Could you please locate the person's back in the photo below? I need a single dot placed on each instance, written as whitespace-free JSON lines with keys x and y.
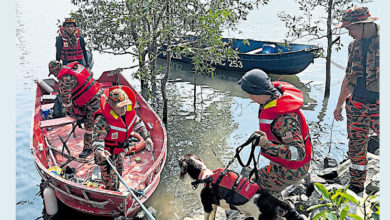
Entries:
{"x":78,"y":91}
{"x":70,"y":45}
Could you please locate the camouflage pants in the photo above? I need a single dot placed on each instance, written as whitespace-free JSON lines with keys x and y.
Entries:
{"x":360,"y":119}
{"x":274,"y":177}
{"x":109,"y":178}
{"x":87,"y":111}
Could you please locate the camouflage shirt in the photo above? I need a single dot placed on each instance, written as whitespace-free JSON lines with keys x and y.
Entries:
{"x":355,"y":68}
{"x":67,"y":84}
{"x":286,"y":128}
{"x":101,"y":128}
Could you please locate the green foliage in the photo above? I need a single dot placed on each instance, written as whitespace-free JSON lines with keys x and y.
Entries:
{"x":140,"y":27}
{"x":337,"y":204}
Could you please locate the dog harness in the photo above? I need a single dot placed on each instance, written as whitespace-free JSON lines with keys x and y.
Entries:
{"x":230,"y":186}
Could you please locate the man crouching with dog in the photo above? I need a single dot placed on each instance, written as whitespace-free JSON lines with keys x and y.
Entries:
{"x":285,"y":138}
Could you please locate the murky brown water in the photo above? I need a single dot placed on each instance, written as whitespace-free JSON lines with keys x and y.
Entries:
{"x":224,"y":117}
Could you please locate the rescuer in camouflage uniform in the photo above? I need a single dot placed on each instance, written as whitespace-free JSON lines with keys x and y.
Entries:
{"x":67,"y":83}
{"x":118,"y":102}
{"x":360,"y":90}
{"x":285,"y":136}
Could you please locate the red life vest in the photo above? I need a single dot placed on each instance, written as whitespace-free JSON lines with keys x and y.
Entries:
{"x":71,"y":53}
{"x":290,"y":101}
{"x":119,"y":130}
{"x":234,"y":188}
{"x":86,"y":87}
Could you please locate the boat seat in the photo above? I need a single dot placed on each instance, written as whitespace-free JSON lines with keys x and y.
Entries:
{"x":47,"y":106}
{"x":48,"y":99}
{"x":258,"y":50}
{"x":57,"y":122}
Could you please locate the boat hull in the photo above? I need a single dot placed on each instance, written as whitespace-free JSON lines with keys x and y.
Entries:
{"x":284,"y":60}
{"x":143,"y":176}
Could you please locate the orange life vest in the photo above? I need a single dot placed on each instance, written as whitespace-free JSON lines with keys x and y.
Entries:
{"x":290,"y":101}
{"x":119,"y":130}
{"x":71,"y":53}
{"x":87,"y":86}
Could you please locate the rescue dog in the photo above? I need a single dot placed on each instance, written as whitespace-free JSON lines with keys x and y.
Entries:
{"x":262,"y":204}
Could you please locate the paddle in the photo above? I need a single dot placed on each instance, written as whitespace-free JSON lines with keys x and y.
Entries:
{"x":132,"y":191}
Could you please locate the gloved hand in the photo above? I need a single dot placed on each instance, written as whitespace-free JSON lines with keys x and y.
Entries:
{"x":263,"y":139}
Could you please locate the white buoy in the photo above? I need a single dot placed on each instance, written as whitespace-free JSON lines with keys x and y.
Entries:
{"x":45,"y":86}
{"x":49,"y":196}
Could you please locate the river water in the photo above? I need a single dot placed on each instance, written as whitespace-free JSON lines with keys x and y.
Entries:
{"x":223,"y":118}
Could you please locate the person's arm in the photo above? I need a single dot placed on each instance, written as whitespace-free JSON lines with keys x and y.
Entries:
{"x":287,"y":128}
{"x":100,"y":130}
{"x":344,"y":94}
{"x":140,"y":128}
{"x":59,"y":44}
{"x":82,"y":44}
{"x":66,"y":85}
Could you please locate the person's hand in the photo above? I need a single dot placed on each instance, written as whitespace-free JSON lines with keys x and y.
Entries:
{"x":102,"y":153}
{"x":263,"y":139}
{"x":149,"y":143}
{"x":337,"y":113}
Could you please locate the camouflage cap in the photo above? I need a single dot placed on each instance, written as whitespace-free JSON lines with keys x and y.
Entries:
{"x":69,"y":21}
{"x":118,"y":98}
{"x":54,"y":67}
{"x":355,"y":15}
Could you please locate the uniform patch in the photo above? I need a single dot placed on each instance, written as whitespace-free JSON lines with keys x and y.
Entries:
{"x":114,"y":135}
{"x":287,"y":135}
{"x":66,"y":44}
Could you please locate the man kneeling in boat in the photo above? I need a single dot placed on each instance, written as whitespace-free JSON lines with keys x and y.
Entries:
{"x":114,"y":124}
{"x":78,"y":89}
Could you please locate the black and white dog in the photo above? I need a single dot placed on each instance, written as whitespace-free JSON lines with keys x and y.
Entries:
{"x":261,"y":204}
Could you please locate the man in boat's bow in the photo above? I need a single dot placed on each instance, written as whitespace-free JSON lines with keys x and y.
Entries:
{"x":114,"y":124}
{"x":285,"y":138}
{"x":78,"y":91}
{"x":70,"y":44}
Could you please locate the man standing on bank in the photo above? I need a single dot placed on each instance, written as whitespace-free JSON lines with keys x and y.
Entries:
{"x":285,"y":139}
{"x":360,"y":90}
{"x":70,"y":45}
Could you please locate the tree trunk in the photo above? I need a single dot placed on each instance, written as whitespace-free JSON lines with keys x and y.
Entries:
{"x":168,"y":70}
{"x":163,"y":88}
{"x":329,"y":48}
{"x":144,"y":81}
{"x":195,"y":91}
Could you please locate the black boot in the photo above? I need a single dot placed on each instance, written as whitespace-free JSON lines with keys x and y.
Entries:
{"x":85,"y":153}
{"x":356,"y":189}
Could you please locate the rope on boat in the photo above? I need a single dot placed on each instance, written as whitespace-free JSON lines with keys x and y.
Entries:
{"x":132,"y":191}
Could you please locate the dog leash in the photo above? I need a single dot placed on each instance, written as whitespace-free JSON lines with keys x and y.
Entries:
{"x":254,"y":139}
